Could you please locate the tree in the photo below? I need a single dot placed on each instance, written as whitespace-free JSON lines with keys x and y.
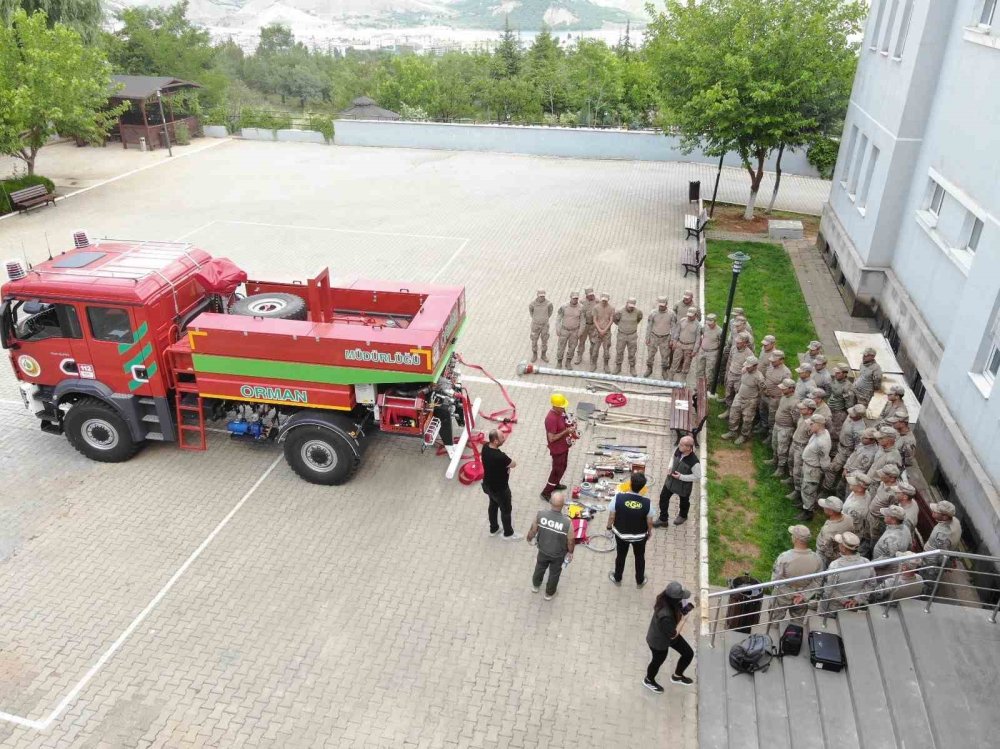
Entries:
{"x":83,"y":16}
{"x":595,"y":76}
{"x":546,"y":69}
{"x":275,"y":39}
{"x":50,"y":82}
{"x":751,"y":76}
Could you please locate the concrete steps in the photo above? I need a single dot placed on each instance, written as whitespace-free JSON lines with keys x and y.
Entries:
{"x":914,"y":680}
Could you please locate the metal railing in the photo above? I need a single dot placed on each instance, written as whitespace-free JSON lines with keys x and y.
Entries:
{"x":820,"y":598}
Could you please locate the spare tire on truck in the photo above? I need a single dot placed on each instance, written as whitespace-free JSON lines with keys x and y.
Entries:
{"x":275,"y":306}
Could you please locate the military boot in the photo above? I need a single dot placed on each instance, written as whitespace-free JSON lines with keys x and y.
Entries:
{"x":579,"y":357}
{"x":534,"y":355}
{"x":649,"y":372}
{"x":778,"y":472}
{"x":728,"y":435}
{"x":618,"y":368}
{"x":631,"y":369}
{"x":545,"y":357}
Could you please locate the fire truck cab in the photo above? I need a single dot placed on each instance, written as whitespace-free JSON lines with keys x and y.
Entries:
{"x":117,"y":343}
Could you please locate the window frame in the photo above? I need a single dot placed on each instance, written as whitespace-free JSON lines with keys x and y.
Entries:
{"x":890,"y":23}
{"x":67,"y":318}
{"x":866,"y":182}
{"x":991,"y":5}
{"x":904,"y":29}
{"x":92,"y":329}
{"x":936,"y":189}
{"x":852,"y":143}
{"x":877,"y":21}
{"x":975,"y":234}
{"x":852,"y":186}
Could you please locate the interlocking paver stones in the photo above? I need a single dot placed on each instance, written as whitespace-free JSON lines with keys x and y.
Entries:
{"x":378,"y":613}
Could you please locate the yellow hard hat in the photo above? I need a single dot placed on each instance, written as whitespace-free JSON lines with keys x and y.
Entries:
{"x":559,"y":400}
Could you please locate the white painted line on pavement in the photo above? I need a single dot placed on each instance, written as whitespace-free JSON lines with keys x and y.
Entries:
{"x":191,"y":233}
{"x":349,"y":231}
{"x":41,"y":725}
{"x":444,"y":267}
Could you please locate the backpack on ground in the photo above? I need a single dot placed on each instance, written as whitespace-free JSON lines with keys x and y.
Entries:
{"x":790,"y":642}
{"x":752,"y":655}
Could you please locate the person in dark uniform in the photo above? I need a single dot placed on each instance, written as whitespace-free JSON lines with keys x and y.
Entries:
{"x":685,"y":470}
{"x":630,"y":518}
{"x":496,"y":483}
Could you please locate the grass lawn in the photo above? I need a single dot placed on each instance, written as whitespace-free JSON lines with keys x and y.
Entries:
{"x":748,"y":515}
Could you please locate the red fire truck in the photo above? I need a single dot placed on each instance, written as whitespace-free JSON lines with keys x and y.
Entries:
{"x":116,"y":343}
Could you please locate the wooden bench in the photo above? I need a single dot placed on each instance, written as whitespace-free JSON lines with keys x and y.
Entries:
{"x":26,"y":199}
{"x":689,"y":410}
{"x":693,"y":258}
{"x":695,"y":225}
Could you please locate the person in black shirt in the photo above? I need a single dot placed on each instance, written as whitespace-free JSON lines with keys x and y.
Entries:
{"x":496,"y":484}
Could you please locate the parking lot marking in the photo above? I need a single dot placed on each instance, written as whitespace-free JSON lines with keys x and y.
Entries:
{"x":191,"y":233}
{"x":444,"y":267}
{"x":41,"y":725}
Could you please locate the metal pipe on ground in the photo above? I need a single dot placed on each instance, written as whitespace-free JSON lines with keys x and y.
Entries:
{"x":525,"y":369}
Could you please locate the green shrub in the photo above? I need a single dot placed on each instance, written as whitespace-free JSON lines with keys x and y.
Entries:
{"x":264,"y":119}
{"x":822,"y":154}
{"x":182,"y":134}
{"x":218,"y":116}
{"x":14,"y":184}
{"x":321,"y":123}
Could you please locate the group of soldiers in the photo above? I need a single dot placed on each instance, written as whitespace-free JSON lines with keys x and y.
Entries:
{"x":675,"y":333}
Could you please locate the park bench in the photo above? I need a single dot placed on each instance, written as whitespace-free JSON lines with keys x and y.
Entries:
{"x":689,"y":410}
{"x":695,"y":225}
{"x":29,"y":197}
{"x":693,"y":257}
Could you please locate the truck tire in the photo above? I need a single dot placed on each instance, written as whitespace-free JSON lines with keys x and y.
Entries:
{"x":273,"y":306}
{"x":99,"y":432}
{"x":320,"y":456}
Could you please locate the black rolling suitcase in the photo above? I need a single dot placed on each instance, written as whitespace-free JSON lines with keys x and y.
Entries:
{"x":743,"y":611}
{"x":826,"y":651}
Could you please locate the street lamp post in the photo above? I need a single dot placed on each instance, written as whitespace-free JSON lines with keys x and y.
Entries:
{"x":739,"y":260}
{"x":163,"y":119}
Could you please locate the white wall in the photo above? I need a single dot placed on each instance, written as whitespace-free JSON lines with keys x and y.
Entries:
{"x":578,"y":143}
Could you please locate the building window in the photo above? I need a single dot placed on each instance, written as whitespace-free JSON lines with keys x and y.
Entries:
{"x":904,"y":27}
{"x":937,"y":199}
{"x":848,"y":156}
{"x":991,"y":362}
{"x":987,"y":13}
{"x":852,"y":185}
{"x":977,"y":230}
{"x":866,"y":183}
{"x":887,"y":36}
{"x":876,"y":21}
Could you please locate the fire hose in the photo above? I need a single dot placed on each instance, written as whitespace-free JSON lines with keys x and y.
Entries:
{"x":471,"y":469}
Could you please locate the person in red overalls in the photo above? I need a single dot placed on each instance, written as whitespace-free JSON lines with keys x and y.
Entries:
{"x":560,"y":433}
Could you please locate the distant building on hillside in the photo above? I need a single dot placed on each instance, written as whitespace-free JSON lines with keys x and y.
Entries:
{"x":912,"y":228}
{"x":364,"y":108}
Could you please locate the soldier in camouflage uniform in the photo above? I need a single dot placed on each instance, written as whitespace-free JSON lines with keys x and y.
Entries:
{"x":686,"y":302}
{"x":841,"y":396}
{"x":627,"y":319}
{"x":896,"y":536}
{"x":821,"y":375}
{"x":884,"y":495}
{"x":737,"y":356}
{"x":744,"y":405}
{"x":804,"y":386}
{"x":887,"y":452}
{"x":869,"y":379}
{"x":942,"y":536}
{"x":864,"y":453}
{"x":785,"y":418}
{"x":800,"y":438}
{"x":857,"y":502}
{"x":836,"y":522}
{"x":815,"y":460}
{"x":848,"y":438}
{"x":737,"y":324}
{"x":707,"y":349}
{"x":685,"y":336}
{"x":540,"y":310}
{"x":588,"y":303}
{"x":569,"y":323}
{"x":792,"y":598}
{"x":659,"y":326}
{"x":819,"y":395}
{"x":894,"y":405}
{"x":767,"y":345}
{"x":809,"y":357}
{"x":905,"y":442}
{"x":774,"y":374}
{"x":600,"y":338}
{"x":845,"y":585}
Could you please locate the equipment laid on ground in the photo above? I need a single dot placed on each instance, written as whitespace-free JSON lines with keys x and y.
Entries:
{"x":790,"y":642}
{"x":117,"y":343}
{"x":826,"y":651}
{"x":752,"y":655}
{"x":525,"y":369}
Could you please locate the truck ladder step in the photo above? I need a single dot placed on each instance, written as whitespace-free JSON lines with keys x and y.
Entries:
{"x":191,"y":433}
{"x":431,"y":432}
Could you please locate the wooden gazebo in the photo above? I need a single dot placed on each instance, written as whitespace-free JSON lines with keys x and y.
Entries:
{"x":142,"y":119}
{"x":364,"y":108}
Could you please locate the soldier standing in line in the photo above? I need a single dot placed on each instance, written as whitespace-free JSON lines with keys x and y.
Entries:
{"x":887,"y":452}
{"x":805,"y":384}
{"x":841,"y":396}
{"x":600,"y":337}
{"x":836,"y":522}
{"x":869,"y":379}
{"x":809,"y":357}
{"x":792,"y":599}
{"x":860,"y":461}
{"x":785,"y":416}
{"x":659,"y":325}
{"x":569,"y":322}
{"x":906,"y":443}
{"x":819,"y":395}
{"x":815,"y":460}
{"x":856,"y":504}
{"x":943,"y":536}
{"x":885,"y":495}
{"x":588,"y":303}
{"x":848,"y":438}
{"x":896,"y":537}
{"x":846,"y":586}
{"x":739,"y":312}
{"x":688,"y":329}
{"x":738,"y":324}
{"x":627,"y":319}
{"x":540,"y":310}
{"x":767,"y":345}
{"x":894,"y":405}
{"x":737,"y":356}
{"x":744,"y":405}
{"x":681,"y":308}
{"x":800,"y":438}
{"x":821,"y":375}
{"x":774,"y":374}
{"x":707,"y":349}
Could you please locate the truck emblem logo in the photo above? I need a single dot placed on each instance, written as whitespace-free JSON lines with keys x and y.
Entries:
{"x":264,"y":393}
{"x":382,"y":357}
{"x":29,"y":365}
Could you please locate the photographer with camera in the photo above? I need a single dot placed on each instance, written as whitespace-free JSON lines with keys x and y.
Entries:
{"x":670,"y":613}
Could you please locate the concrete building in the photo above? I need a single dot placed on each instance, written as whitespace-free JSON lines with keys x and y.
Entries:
{"x":912,"y":229}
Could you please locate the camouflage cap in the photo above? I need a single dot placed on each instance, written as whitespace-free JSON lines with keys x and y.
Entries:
{"x":751,"y":361}
{"x":904,"y":488}
{"x":630,"y":300}
{"x":845,"y":368}
{"x":889,"y":469}
{"x":574,"y":295}
{"x":868,"y":352}
{"x":887,"y":432}
{"x":815,"y":345}
{"x":711,"y":317}
{"x":777,"y":354}
{"x":944,"y":508}
{"x":688,"y":294}
{"x":819,"y":359}
{"x":848,"y":539}
{"x":817,"y":393}
{"x":692,"y":312}
{"x":807,"y":403}
{"x":818,"y":419}
{"x":897,"y":390}
{"x":787,"y":383}
{"x":831,"y":503}
{"x":870,"y":433}
{"x":540,"y":292}
{"x":800,"y":532}
{"x":769,"y":339}
{"x":588,"y":290}
{"x":803,"y":368}
{"x":896,"y":419}
{"x":745,"y":337}
{"x":858,"y":478}
{"x":856,"y":410}
{"x":738,"y":311}
{"x":893,"y":511}
{"x":605,"y":297}
{"x":661,"y":300}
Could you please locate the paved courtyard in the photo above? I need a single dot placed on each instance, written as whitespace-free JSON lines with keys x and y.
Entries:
{"x":213,"y":599}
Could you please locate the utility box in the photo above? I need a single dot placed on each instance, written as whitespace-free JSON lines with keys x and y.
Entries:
{"x":694,"y":191}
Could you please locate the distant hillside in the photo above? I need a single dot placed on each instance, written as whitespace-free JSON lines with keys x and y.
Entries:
{"x":530,"y":14}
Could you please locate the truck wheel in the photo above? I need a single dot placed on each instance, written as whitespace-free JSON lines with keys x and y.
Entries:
{"x":320,"y":456}
{"x":97,"y":431}
{"x":274,"y":306}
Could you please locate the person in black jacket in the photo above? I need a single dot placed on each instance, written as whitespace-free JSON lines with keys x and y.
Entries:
{"x":669,"y":615}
